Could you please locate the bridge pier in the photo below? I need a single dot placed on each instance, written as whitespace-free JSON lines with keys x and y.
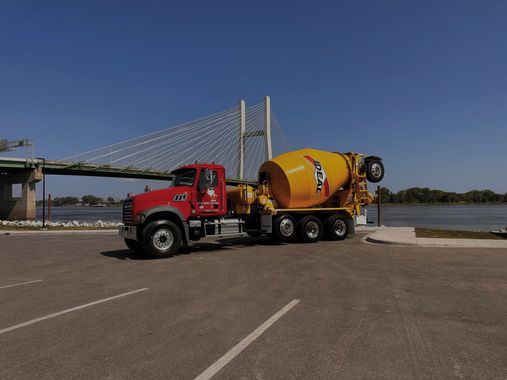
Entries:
{"x":23,"y":207}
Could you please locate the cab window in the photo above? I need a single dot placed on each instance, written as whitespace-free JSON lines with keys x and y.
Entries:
{"x":183,"y":177}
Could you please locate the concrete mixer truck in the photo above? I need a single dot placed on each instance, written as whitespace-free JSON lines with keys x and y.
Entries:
{"x":303,"y":195}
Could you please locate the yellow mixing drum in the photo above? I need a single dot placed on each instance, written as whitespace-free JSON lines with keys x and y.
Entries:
{"x":306,"y":177}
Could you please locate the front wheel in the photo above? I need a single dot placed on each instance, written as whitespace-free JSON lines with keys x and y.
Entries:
{"x":162,"y":238}
{"x":310,"y":229}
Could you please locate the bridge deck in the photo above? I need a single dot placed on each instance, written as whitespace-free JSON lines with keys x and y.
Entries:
{"x":12,"y":165}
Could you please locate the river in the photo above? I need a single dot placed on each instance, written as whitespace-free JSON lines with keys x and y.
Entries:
{"x":457,"y":217}
{"x":83,"y":214}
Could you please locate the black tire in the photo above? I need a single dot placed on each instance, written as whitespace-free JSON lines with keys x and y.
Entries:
{"x":310,"y":229}
{"x":337,"y":227}
{"x":162,"y":238}
{"x":134,"y":246}
{"x":374,"y":170}
{"x":284,"y":228}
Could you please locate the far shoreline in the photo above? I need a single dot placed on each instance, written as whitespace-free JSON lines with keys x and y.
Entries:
{"x":372,"y":204}
{"x":440,"y":204}
{"x":79,"y":206}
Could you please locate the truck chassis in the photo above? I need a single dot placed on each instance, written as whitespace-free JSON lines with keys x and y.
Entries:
{"x":163,"y":238}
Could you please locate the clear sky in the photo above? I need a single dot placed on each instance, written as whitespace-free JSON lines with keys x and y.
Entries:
{"x":422,"y":84}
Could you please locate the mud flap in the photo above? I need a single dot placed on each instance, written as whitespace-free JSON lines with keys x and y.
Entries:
{"x":351,"y":225}
{"x":266,"y":224}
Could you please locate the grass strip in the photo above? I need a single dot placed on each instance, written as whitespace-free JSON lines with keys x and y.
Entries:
{"x":452,"y":234}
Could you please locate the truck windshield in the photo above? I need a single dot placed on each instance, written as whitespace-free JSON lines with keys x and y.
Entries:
{"x":183,"y":177}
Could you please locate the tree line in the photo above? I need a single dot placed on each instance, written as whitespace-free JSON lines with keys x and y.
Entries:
{"x":85,"y":200}
{"x":427,"y":195}
{"x":410,"y":196}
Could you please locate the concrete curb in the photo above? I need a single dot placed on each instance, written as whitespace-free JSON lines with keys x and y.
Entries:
{"x":369,"y":239}
{"x":405,"y":236}
{"x":60,"y":232}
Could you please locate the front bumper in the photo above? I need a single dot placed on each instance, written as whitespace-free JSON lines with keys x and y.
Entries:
{"x":128,"y":232}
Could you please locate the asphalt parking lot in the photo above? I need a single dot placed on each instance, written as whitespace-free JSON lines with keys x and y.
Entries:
{"x":82,"y":306}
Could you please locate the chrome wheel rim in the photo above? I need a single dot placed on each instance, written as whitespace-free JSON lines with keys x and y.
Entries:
{"x":312,"y":229}
{"x":339,"y":227}
{"x":376,"y":170}
{"x":287,"y":227}
{"x":163,"y":239}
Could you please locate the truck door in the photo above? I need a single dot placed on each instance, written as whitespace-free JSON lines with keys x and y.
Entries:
{"x":208,"y":193}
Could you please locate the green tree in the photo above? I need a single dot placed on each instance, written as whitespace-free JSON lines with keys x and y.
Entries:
{"x":427,"y":195}
{"x":65,"y":201}
{"x":385,"y":195}
{"x":91,"y":199}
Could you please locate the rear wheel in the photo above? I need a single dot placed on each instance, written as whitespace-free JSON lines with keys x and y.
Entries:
{"x":284,"y":228}
{"x":162,"y":238}
{"x":337,"y":227}
{"x":310,"y":229}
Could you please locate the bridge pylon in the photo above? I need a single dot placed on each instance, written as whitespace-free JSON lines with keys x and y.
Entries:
{"x":245,"y":134}
{"x":24,"y":207}
{"x":239,"y":139}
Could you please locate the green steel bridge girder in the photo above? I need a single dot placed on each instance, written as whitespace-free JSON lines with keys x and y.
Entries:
{"x":13,"y":165}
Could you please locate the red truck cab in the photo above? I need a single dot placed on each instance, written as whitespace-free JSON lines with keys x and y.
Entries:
{"x":160,"y":221}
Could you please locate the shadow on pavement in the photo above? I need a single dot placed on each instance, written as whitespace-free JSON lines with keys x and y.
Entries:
{"x":197,"y":247}
{"x":124,"y":254}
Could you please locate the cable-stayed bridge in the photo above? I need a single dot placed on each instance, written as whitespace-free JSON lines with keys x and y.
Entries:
{"x":240,"y":138}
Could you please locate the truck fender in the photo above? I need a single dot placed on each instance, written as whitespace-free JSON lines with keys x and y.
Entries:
{"x":370,"y":158}
{"x":173,"y":210}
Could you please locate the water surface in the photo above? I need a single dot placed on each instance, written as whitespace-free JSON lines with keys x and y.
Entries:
{"x":458,"y":217}
{"x":83,"y":214}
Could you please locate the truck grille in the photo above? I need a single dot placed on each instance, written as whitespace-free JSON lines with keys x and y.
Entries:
{"x":127,"y":211}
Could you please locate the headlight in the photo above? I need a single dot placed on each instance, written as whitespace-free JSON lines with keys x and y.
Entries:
{"x":140,"y":218}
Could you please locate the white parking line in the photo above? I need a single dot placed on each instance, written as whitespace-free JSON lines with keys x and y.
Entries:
{"x":21,"y":283}
{"x":233,"y":352}
{"x":69,"y":310}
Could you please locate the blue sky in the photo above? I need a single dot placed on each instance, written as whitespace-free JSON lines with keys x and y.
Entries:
{"x":422,"y":84}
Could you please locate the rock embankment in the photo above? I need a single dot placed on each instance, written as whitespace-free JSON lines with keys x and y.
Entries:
{"x":74,"y":224}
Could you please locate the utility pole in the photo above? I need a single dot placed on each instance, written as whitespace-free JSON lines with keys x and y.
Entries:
{"x":49,"y":207}
{"x":242,"y":128}
{"x":44,"y":193}
{"x":267,"y":127}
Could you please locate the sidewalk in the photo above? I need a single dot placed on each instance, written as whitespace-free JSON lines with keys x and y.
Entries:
{"x":406,"y":236}
{"x":58,"y":232}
